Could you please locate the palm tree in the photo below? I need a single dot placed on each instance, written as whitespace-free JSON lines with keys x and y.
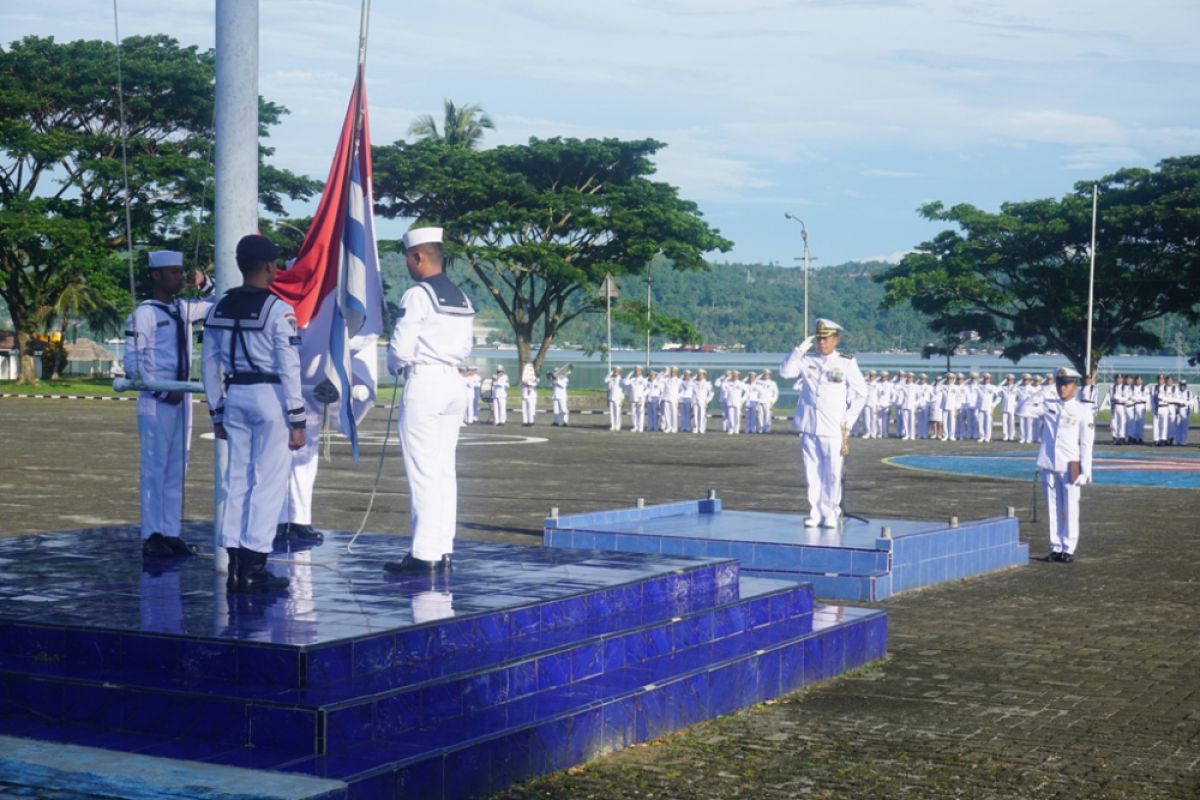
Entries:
{"x":461,"y":127}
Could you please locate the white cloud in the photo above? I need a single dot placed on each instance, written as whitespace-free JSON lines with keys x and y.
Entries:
{"x":890,"y":173}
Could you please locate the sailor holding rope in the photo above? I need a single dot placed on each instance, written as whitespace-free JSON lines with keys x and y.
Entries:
{"x":159,"y":347}
{"x":431,"y":340}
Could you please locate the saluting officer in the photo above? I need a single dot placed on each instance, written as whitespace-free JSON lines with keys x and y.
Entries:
{"x":832,"y":394}
{"x":159,"y":347}
{"x":252,"y":379}
{"x":432,"y":338}
{"x":1065,"y":458}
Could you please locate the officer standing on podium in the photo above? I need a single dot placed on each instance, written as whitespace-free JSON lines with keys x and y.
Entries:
{"x":832,"y":395}
{"x":252,"y":379}
{"x":432,"y":338}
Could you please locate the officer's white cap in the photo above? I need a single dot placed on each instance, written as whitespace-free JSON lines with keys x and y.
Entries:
{"x":418,"y":236}
{"x":826,"y":327}
{"x":883,"y":372}
{"x":500,"y":368}
{"x":165,"y":258}
{"x":974,"y":374}
{"x":923,"y":375}
{"x":1066,"y":374}
{"x":1010,"y":375}
{"x":1026,"y":375}
{"x":698,"y":372}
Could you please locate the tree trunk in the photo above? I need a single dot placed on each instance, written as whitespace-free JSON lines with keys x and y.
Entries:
{"x":28,"y":374}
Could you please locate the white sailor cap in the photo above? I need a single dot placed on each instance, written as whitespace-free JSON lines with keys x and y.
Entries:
{"x":974,"y":374}
{"x":698,"y":372}
{"x":924,"y":376}
{"x":418,"y":236}
{"x":499,"y":368}
{"x":883,"y":372}
{"x":165,"y":258}
{"x":1010,"y":376}
{"x":1026,"y":376}
{"x":826,"y":328}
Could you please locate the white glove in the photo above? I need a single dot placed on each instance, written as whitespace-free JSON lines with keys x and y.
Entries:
{"x":1084,"y":478}
{"x":806,"y":345}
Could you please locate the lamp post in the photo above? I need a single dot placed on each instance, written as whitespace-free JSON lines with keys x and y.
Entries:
{"x":804,"y":236}
{"x":649,"y":300}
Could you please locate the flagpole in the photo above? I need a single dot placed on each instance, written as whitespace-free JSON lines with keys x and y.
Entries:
{"x":1092,"y":279}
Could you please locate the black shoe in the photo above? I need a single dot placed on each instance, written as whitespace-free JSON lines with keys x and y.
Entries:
{"x":253,"y":575}
{"x":1051,"y":557}
{"x":1066,"y":558}
{"x":157,"y":546}
{"x":306,"y":534}
{"x":412,"y":565}
{"x":281,"y":533}
{"x":179,"y":547}
{"x":231,"y":582}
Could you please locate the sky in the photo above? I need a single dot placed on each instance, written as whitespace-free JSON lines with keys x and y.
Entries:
{"x":848,"y":114}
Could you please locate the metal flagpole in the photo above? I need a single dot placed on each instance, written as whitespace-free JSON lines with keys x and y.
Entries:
{"x":1092,"y":278}
{"x":236,"y":177}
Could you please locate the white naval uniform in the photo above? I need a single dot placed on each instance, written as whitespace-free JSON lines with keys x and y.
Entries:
{"x":471,"y":384}
{"x":432,"y":338}
{"x":500,"y":398}
{"x":1068,"y":432}
{"x":670,"y":404}
{"x":1185,"y":403}
{"x":766,"y":404}
{"x":1161,"y":410}
{"x":157,"y":334}
{"x":529,"y":382}
{"x":832,"y":394}
{"x":636,"y":385}
{"x":251,"y":373}
{"x":687,"y":395}
{"x":616,"y":396}
{"x":1008,"y":409}
{"x":558,"y":394}
{"x":702,"y":392}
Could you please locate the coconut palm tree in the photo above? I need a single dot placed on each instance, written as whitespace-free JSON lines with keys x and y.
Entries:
{"x":461,"y":126}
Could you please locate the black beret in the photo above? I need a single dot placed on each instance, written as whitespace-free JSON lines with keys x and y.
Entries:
{"x":257,"y":248}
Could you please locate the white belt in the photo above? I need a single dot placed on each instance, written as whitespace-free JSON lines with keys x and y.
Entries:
{"x":430,"y":369}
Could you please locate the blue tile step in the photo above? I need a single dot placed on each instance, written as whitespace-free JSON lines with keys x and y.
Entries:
{"x":326,"y":719}
{"x":478,"y":754}
{"x":863,"y":559}
{"x":387,"y":646}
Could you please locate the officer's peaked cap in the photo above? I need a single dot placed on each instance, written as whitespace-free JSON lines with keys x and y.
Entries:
{"x":1066,"y":375}
{"x":826,"y":328}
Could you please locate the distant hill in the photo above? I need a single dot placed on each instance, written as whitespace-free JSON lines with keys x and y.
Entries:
{"x":758,"y":307}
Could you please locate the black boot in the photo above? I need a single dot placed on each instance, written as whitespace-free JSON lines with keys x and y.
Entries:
{"x":305,"y":534}
{"x":231,"y":581}
{"x":415,"y":566}
{"x":253,"y":575}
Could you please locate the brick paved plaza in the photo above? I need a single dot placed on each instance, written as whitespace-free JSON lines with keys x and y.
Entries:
{"x":1049,"y":680}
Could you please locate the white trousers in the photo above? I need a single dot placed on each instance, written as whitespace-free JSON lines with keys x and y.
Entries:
{"x":614,"y":415}
{"x":562,"y":414}
{"x":764,"y":418}
{"x":823,"y":474}
{"x":471,"y":413}
{"x":164,"y":438}
{"x":303,"y":475}
{"x":1007,"y":419}
{"x":733,"y":419}
{"x":909,"y":418}
{"x":1162,"y":424}
{"x":949,"y":425}
{"x":259,"y":464}
{"x":430,"y":416}
{"x":983,"y":425}
{"x":881,"y":424}
{"x":499,"y":409}
{"x":637,"y":415}
{"x":670,"y":416}
{"x":528,"y":406}
{"x":1062,"y":510}
{"x":699,"y":418}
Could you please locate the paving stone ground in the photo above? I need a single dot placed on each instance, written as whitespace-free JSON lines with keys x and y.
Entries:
{"x":1046,"y":681}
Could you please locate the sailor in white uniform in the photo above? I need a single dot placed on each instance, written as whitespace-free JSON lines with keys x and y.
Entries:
{"x":637,"y":386}
{"x":1065,"y":458}
{"x":251,"y":371}
{"x":702,"y":396}
{"x":558,"y":395}
{"x":1008,"y":407}
{"x":431,"y":339}
{"x":616,"y":398}
{"x":471,"y":385}
{"x":766,"y":406}
{"x":832,"y":394}
{"x":1185,"y":406}
{"x":529,"y":383}
{"x":159,"y":347}
{"x":499,"y":396}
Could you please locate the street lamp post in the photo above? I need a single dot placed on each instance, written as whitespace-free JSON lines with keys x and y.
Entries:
{"x":804,"y":236}
{"x":649,"y":300}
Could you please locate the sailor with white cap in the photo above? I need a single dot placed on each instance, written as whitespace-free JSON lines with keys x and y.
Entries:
{"x":431,"y":340}
{"x":252,"y":383}
{"x":500,"y":385}
{"x":159,"y":347}
{"x":832,"y":394}
{"x":616,"y":398}
{"x":1008,"y":407}
{"x":637,"y":386}
{"x":702,"y":395}
{"x":1065,"y":458}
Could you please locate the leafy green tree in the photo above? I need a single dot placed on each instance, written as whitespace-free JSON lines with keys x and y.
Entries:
{"x":462,"y":126}
{"x":1019,"y":278}
{"x":62,"y":193}
{"x":541,"y":224}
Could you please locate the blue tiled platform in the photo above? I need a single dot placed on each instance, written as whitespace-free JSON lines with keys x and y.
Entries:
{"x":525,"y":661}
{"x":856,"y":562}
